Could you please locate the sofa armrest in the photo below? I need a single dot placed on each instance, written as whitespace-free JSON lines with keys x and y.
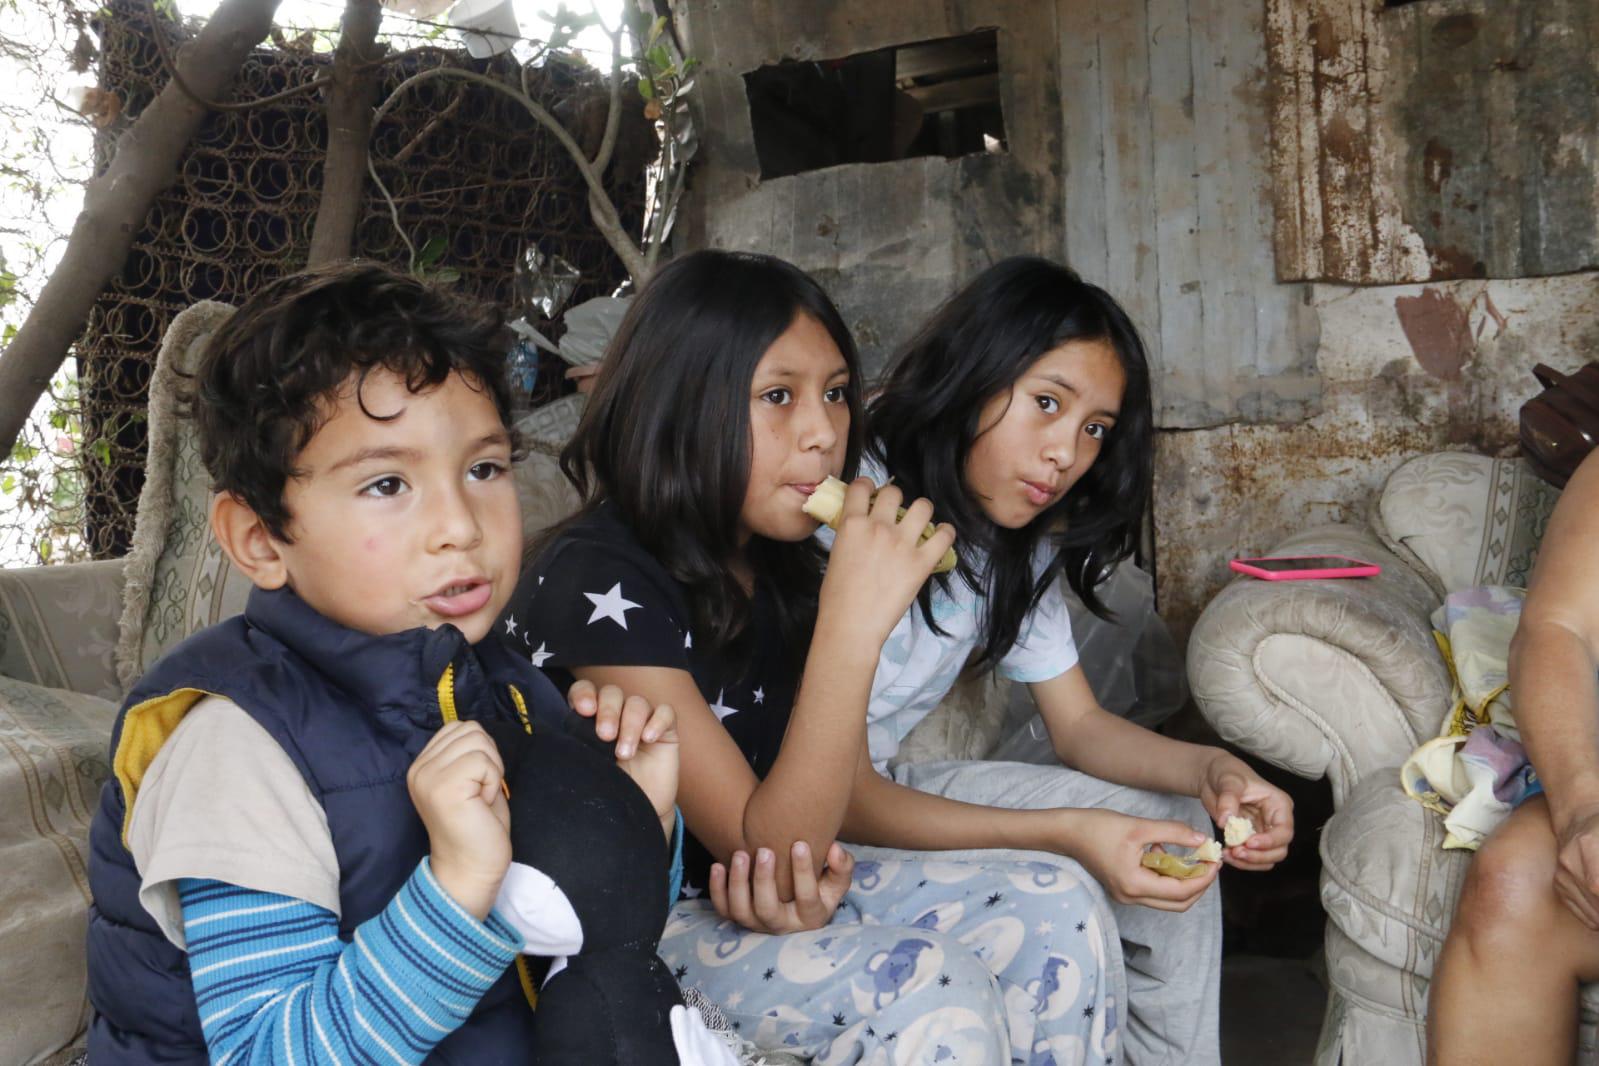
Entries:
{"x":1335,"y":678}
{"x":58,"y":626}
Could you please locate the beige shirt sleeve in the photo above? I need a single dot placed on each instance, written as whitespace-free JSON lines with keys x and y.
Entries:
{"x":223,"y":801}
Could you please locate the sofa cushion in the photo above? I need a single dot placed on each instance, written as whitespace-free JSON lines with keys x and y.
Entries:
{"x":52,"y":761}
{"x":1389,"y":890}
{"x":1467,"y":519}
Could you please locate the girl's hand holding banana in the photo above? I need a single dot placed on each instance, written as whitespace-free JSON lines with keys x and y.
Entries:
{"x":826,"y":505}
{"x":882,"y":556}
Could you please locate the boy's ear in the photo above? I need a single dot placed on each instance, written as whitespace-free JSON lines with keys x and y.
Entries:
{"x":245,"y":539}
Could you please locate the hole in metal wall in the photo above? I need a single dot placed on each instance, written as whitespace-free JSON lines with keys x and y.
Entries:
{"x":933,"y":98}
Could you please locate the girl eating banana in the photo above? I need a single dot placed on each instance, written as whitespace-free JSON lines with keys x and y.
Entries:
{"x":691,"y":577}
{"x":1022,"y":410}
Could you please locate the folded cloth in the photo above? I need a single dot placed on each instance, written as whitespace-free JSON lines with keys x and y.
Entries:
{"x":1475,"y":771}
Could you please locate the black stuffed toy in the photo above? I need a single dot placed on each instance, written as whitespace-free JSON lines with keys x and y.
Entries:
{"x":587,"y":888}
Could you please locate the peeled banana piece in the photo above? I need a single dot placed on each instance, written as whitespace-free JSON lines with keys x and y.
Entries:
{"x":826,"y":505}
{"x":1237,"y":830}
{"x":1184,"y":866}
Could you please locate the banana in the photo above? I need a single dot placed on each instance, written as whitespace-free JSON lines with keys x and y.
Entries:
{"x":1184,"y":866}
{"x":1237,"y":830}
{"x":826,"y":505}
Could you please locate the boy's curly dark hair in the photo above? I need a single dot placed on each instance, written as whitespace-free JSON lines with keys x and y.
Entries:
{"x":262,"y":388}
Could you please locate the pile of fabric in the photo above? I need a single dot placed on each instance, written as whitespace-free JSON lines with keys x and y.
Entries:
{"x":1475,"y":771}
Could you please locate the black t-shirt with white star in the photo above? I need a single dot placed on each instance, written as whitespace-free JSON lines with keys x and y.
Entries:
{"x":595,"y":597}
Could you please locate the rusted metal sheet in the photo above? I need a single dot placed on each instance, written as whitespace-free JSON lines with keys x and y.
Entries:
{"x":1446,"y":139}
{"x":1405,"y":370}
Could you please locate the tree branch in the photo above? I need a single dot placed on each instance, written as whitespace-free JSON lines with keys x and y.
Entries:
{"x":349,"y":111}
{"x":613,"y":117}
{"x":604,"y":212}
{"x":115,"y":205}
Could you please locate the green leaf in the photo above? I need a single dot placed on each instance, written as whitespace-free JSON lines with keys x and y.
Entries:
{"x":8,"y":484}
{"x":101,"y":449}
{"x":655,"y":30}
{"x":58,"y":420}
{"x":447,"y":276}
{"x":659,"y":57}
{"x":646,"y":89}
{"x":432,"y":251}
{"x":22,"y":452}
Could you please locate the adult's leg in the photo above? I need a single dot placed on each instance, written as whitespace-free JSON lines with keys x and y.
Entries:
{"x":1172,"y":961}
{"x":1505,"y":986}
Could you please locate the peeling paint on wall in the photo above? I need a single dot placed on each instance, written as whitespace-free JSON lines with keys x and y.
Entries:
{"x":1438,"y":332}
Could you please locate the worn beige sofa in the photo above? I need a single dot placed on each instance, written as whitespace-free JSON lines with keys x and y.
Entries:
{"x":1342,"y":680}
{"x":73,"y":638}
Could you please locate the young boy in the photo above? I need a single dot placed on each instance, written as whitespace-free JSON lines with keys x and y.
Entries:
{"x":299,"y":851}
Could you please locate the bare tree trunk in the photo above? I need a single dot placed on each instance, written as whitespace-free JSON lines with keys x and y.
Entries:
{"x":350,"y":104}
{"x":116,"y":202}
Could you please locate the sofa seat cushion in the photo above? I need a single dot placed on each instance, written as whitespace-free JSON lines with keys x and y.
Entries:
{"x":1389,"y":890}
{"x":53,"y":747}
{"x":1467,"y":519}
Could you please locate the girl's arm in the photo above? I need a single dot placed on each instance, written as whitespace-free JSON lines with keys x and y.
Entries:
{"x":1108,"y":844}
{"x":874,"y":571}
{"x":1089,"y":738}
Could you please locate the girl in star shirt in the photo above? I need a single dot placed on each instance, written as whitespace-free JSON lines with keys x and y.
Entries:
{"x":690,"y":577}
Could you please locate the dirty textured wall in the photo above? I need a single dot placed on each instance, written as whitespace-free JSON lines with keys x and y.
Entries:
{"x":1298,"y":201}
{"x":1443,"y":139}
{"x":1404,"y":370}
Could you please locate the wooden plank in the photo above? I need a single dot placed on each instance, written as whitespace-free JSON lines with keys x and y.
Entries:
{"x":1131,"y":268}
{"x":961,"y":92}
{"x":1179,"y":276}
{"x":960,"y":55}
{"x":1087,"y":221}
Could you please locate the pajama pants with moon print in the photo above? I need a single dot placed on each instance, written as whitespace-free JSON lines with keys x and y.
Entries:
{"x":926,"y":961}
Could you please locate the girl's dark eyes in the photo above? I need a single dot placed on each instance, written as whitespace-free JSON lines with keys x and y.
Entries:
{"x":835,"y":394}
{"x":1097,"y":430}
{"x":1048,"y":404}
{"x":385,"y":486}
{"x":486,"y":470}
{"x":776,"y":396}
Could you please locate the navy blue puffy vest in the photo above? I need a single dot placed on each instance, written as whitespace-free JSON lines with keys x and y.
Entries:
{"x":352,"y":711}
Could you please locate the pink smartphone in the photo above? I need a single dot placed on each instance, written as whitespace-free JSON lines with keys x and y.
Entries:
{"x":1304,"y":567}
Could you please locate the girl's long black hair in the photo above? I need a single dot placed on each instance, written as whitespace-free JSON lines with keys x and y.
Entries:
{"x":925,"y":419}
{"x":666,"y":435}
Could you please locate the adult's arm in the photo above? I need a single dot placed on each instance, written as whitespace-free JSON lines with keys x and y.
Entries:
{"x":1554,"y":660}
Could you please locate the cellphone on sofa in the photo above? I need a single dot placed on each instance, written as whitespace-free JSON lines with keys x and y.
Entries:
{"x":1304,"y":567}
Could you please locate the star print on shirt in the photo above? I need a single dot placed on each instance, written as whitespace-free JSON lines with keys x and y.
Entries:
{"x":541,"y":655}
{"x":510,"y":626}
{"x":720,"y":709}
{"x":760,"y":696}
{"x":688,"y":640}
{"x":610,"y":605}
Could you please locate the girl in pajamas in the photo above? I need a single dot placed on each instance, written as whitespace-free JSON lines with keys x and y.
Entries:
{"x":1022,"y":410}
{"x":691,"y":577}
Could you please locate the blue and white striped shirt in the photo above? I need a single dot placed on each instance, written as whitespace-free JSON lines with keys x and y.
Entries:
{"x":275,"y":984}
